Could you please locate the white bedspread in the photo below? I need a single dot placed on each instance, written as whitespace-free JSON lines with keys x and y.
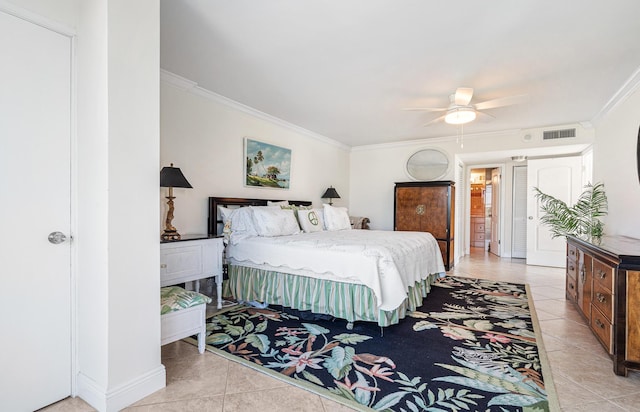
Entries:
{"x":388,"y":262}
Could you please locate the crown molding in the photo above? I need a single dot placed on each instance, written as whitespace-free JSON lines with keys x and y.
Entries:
{"x":36,"y":18}
{"x":192,"y":87}
{"x":432,"y":140}
{"x":628,"y":88}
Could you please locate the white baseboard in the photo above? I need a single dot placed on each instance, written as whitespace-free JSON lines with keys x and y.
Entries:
{"x":124,"y":395}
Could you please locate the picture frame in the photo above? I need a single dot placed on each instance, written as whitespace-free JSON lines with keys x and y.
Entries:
{"x":266,"y":165}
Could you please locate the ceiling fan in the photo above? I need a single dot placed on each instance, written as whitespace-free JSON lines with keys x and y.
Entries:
{"x":461,"y":111}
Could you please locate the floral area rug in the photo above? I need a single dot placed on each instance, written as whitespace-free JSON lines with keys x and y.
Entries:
{"x":471,"y":346}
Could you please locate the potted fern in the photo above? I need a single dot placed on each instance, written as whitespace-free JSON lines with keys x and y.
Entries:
{"x":580,"y":220}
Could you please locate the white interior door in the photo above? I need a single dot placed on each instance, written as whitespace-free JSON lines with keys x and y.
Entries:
{"x":35,"y":130}
{"x":558,"y":177}
{"x":495,"y":245}
{"x":519,"y":225}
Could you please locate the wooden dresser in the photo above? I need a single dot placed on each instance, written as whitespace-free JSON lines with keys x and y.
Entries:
{"x":603,"y":280}
{"x":428,"y":207}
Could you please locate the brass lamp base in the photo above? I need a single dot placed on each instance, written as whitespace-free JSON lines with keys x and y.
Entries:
{"x":170,"y":235}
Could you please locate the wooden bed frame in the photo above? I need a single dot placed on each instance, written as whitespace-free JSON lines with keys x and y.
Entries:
{"x":215,"y":221}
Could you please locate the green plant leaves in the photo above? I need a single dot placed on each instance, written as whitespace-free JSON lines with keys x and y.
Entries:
{"x":578,"y":220}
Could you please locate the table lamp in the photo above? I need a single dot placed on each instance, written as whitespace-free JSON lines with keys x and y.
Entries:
{"x":171,"y":177}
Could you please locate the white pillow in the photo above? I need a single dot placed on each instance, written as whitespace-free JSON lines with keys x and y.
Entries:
{"x":336,"y":218}
{"x":280,"y":203}
{"x":311,"y":220}
{"x":320,"y":212}
{"x":238,"y":220}
{"x":274,"y":221}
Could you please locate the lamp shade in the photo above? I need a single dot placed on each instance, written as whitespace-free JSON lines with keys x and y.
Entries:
{"x":330,"y":193}
{"x":172,"y":177}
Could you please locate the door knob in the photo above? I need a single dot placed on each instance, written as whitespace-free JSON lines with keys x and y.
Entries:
{"x":530,"y":217}
{"x":57,"y":237}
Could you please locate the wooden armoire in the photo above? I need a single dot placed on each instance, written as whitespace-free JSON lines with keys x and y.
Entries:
{"x":427,"y":207}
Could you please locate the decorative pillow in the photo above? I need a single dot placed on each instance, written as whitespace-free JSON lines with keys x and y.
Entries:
{"x":310,"y":220}
{"x":280,"y":203}
{"x":296,"y":209}
{"x":174,"y":298}
{"x":237,"y":220}
{"x":274,"y":221}
{"x":336,"y":218}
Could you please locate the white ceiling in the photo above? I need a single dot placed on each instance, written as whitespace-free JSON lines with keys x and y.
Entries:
{"x":344,"y":69}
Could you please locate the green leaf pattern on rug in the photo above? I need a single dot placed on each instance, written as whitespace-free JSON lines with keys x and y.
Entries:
{"x":503,"y":361}
{"x":495,"y":353}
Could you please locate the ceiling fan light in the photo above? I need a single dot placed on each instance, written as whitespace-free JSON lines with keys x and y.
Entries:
{"x":460,"y":115}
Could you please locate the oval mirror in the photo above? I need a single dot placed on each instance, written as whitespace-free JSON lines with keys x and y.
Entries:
{"x":428,"y":164}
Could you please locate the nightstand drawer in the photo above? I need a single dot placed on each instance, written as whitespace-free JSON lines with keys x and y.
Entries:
{"x":181,"y":262}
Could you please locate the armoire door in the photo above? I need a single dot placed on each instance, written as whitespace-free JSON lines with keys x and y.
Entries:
{"x":410,"y":208}
{"x":427,"y":207}
{"x":35,"y":286}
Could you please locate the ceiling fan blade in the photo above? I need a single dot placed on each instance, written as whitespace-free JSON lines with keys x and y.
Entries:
{"x":436,"y":120}
{"x":502,"y":101}
{"x":425,"y":109}
{"x":482,"y":116}
{"x":463,"y":96}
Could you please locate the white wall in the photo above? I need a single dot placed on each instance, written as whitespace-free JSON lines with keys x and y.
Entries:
{"x":118,"y":250}
{"x":374,"y":170}
{"x":203,"y":134}
{"x":614,"y":159}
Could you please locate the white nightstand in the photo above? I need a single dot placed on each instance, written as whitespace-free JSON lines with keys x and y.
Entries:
{"x":190,"y":259}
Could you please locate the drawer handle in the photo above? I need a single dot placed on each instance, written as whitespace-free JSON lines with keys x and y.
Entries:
{"x":599,"y":324}
{"x":420,"y":209}
{"x":602,"y":274}
{"x":571,"y":286}
{"x":163,"y":265}
{"x":601,"y":298}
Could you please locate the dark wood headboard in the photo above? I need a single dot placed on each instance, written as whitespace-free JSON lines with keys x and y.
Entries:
{"x":215,"y":221}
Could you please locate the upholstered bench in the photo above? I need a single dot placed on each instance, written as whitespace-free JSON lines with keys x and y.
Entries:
{"x":183,"y":314}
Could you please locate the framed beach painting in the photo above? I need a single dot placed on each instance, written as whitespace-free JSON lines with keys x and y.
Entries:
{"x":266,"y":165}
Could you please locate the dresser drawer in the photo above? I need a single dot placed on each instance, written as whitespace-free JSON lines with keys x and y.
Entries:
{"x":572,"y":268}
{"x":572,"y":252}
{"x":603,"y":274}
{"x":602,"y":328}
{"x":478,"y":236}
{"x":478,"y":227}
{"x":572,"y":288}
{"x":603,"y":300}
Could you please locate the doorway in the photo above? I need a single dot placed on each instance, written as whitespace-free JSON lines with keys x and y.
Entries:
{"x":484,"y":209}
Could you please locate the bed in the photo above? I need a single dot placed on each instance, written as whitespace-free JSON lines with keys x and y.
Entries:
{"x":356,"y":275}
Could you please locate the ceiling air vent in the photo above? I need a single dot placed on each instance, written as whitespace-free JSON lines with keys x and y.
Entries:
{"x":558,"y":134}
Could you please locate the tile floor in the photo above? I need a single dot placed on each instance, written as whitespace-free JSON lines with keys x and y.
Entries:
{"x":582,"y":371}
